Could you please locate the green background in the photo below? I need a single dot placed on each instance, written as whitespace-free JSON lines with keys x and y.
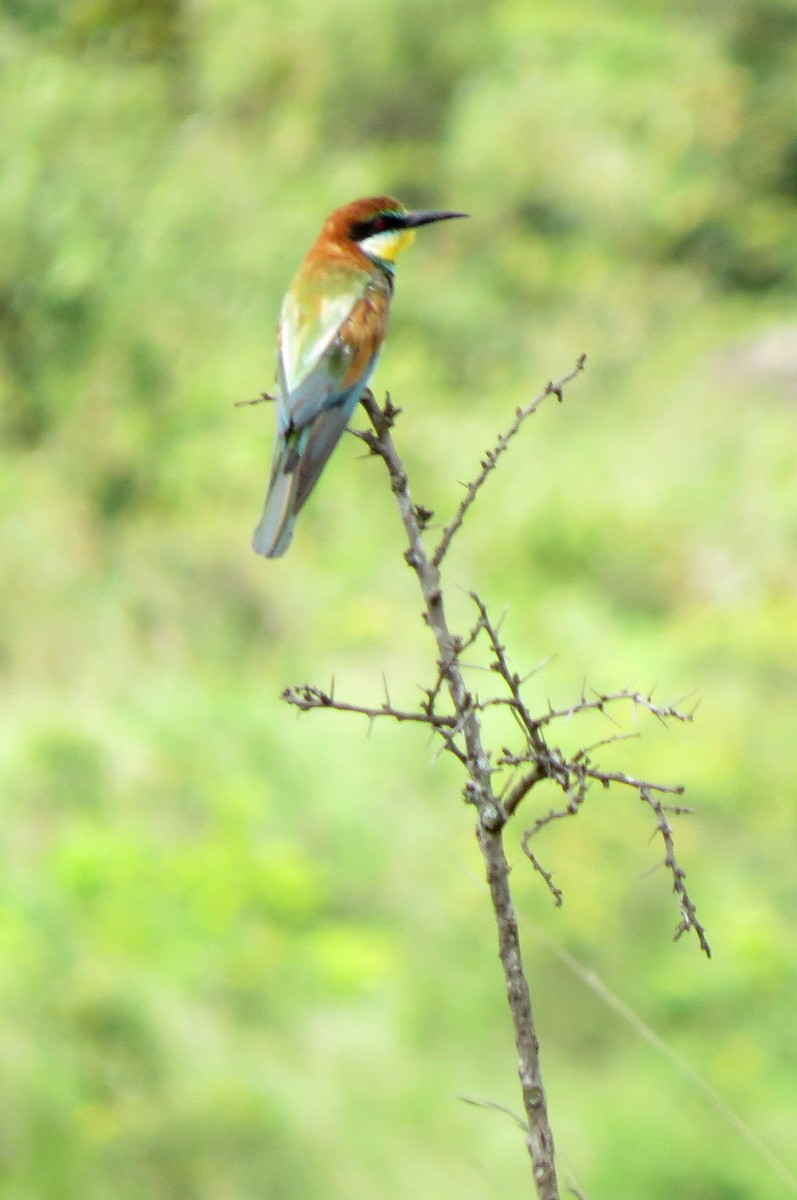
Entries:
{"x":245,"y":954}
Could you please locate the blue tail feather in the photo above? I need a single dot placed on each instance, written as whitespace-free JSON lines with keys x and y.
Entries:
{"x":275,"y":529}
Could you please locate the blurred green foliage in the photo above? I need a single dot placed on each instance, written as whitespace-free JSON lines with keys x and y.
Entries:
{"x":244,"y":955}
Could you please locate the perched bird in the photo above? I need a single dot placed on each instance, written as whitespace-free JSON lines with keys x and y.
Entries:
{"x":332,"y":324}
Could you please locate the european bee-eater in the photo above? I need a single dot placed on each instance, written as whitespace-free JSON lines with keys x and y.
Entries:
{"x":332,"y":325}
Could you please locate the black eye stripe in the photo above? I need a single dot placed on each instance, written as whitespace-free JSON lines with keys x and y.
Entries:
{"x":381,"y":223}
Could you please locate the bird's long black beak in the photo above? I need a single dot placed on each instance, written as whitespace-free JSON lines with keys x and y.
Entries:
{"x":426,"y":216}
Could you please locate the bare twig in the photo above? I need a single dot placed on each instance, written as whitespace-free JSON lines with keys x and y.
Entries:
{"x":607,"y":777}
{"x":491,"y":458}
{"x":263,"y":398}
{"x":521,"y":789}
{"x":601,"y":702}
{"x":556,"y":892}
{"x":307,"y":697}
{"x":689,"y":919}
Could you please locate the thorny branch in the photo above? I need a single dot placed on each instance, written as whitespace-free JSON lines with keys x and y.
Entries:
{"x":490,"y":459}
{"x":307,"y":697}
{"x":499,"y":782}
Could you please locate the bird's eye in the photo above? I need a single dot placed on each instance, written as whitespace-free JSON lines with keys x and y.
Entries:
{"x":381,"y":223}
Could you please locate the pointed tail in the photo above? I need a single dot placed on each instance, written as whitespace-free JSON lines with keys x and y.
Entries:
{"x":297,"y":466}
{"x":275,"y":530}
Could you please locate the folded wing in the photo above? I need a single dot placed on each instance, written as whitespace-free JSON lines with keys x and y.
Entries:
{"x":316,"y":411}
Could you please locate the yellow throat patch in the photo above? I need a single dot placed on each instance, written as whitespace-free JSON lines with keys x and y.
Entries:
{"x":388,"y":244}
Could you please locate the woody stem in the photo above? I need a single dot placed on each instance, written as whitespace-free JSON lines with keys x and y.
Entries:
{"x":491,"y":817}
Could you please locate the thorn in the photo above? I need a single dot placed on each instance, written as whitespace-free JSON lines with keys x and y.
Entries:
{"x":498,"y":1107}
{"x":545,"y":662}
